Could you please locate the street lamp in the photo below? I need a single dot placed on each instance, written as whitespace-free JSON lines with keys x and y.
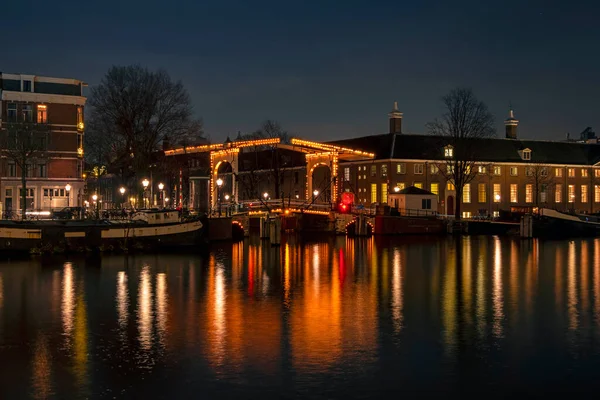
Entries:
{"x":145,"y":184}
{"x":226,"y":197}
{"x":161,"y":187}
{"x":219,"y":184}
{"x":122,"y":191}
{"x":95,"y":198}
{"x":396,"y":189}
{"x":497,"y":198}
{"x":266,"y":195}
{"x":68,"y":189}
{"x":316,"y":193}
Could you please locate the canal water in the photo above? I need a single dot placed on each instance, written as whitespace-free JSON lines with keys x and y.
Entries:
{"x":332,"y":318}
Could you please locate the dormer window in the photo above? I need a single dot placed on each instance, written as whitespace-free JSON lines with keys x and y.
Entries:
{"x":448,"y":151}
{"x":526,"y":154}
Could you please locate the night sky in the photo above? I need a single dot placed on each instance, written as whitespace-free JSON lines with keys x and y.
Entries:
{"x":329,"y":69}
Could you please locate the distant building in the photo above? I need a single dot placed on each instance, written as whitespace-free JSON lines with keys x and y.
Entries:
{"x":59,"y":103}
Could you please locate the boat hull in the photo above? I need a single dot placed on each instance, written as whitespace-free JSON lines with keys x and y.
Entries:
{"x":552,"y":224}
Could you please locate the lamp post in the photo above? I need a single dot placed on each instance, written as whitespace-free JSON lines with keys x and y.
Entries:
{"x":497,"y":198}
{"x":145,"y":184}
{"x":219,"y":184}
{"x":227,"y":205}
{"x":315,"y":194}
{"x":161,"y":187}
{"x":122,"y":191}
{"x":68,"y":190}
{"x":95,"y":198}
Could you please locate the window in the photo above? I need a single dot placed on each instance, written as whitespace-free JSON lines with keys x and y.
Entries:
{"x":27,"y":86}
{"x":373,"y":170}
{"x":418,"y":185}
{"x":8,"y":192}
{"x":466,"y":214}
{"x":450,"y":169}
{"x":384,"y":170}
{"x":571,"y":194}
{"x":514,"y":171}
{"x":481,"y":169}
{"x":418,"y":169}
{"x":497,"y":193}
{"x":346,"y":174}
{"x":27,"y":112}
{"x":434,"y":169}
{"x":526,"y":154}
{"x":448,"y":152}
{"x":584,"y":173}
{"x":42,"y":171}
{"x":467,"y":193}
{"x":514,"y":194}
{"x":29,"y":170}
{"x":384,"y":193}
{"x":571,"y":172}
{"x":496,"y":214}
{"x":373,"y":193}
{"x":12,"y":170}
{"x":529,"y":171}
{"x":596,"y":193}
{"x":401,"y":185}
{"x":29,"y":192}
{"x":11,"y":112}
{"x":434,"y":188}
{"x":450,"y":186}
{"x":543,"y":191}
{"x":529,"y":193}
{"x":481,"y":193}
{"x":401,"y":168}
{"x":558,"y":172}
{"x":497,"y":171}
{"x":584,"y":193}
{"x":79,"y":118}
{"x":42,"y":114}
{"x":29,"y":198}
{"x":597,"y":173}
{"x":544,"y":171}
{"x":425,"y":204}
{"x":558,"y":193}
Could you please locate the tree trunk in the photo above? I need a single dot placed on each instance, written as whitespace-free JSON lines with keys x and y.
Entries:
{"x":24,"y":192}
{"x":459,"y":192}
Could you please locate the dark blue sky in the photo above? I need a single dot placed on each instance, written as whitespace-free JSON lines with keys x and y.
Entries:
{"x":328,"y":69}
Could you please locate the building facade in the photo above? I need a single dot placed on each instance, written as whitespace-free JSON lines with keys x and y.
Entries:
{"x":56,"y":180}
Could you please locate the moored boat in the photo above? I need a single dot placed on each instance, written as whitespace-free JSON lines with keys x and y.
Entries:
{"x":550,"y":223}
{"x":145,"y":230}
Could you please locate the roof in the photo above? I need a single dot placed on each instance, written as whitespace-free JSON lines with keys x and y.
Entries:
{"x":430,"y":147}
{"x":415,"y":190}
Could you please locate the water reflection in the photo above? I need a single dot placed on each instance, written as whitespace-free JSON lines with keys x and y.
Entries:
{"x":321,"y":314}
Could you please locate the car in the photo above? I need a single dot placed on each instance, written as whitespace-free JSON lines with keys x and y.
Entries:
{"x":68,"y":213}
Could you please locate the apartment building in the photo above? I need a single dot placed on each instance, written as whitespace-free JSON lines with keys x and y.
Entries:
{"x":57,"y":180}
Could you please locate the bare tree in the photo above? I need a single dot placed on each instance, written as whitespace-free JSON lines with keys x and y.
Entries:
{"x":132,"y":111}
{"x":539,"y":176}
{"x":465,"y":121}
{"x":26,"y":145}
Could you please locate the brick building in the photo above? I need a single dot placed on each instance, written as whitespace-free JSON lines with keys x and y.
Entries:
{"x":59,"y":103}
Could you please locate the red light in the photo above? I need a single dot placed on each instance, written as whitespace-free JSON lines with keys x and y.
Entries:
{"x":344,"y":207}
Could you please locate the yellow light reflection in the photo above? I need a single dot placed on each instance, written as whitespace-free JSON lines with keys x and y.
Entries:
{"x":597,"y":281}
{"x":42,"y":368}
{"x":145,"y":309}
{"x":572,"y":286}
{"x":68,"y":301}
{"x":584,"y":265}
{"x":161,"y":307}
{"x":466,"y":284}
{"x":122,"y":301}
{"x":498,"y":296}
{"x":449,"y":319}
{"x":81,"y":340}
{"x":481,"y":286}
{"x":286,"y":275}
{"x":397,"y":294}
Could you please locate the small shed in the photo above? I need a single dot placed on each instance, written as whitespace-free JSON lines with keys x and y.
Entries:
{"x":413,"y":199}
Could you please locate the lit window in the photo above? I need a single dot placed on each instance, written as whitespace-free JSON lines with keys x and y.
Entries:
{"x":373,"y":170}
{"x":558,"y":172}
{"x":514,"y":171}
{"x":584,"y":173}
{"x":435,"y":188}
{"x":434,"y":169}
{"x":401,"y":185}
{"x":42,"y":114}
{"x":384,"y":193}
{"x":584,"y":193}
{"x":597,"y":193}
{"x":497,"y":194}
{"x":497,"y":170}
{"x":401,"y":168}
{"x":467,"y":193}
{"x":571,"y":193}
{"x":11,"y":112}
{"x":529,"y":193}
{"x":526,"y":154}
{"x":514,"y":193}
{"x":384,"y":170}
{"x":571,"y":172}
{"x":466,"y":214}
{"x":373,"y":193}
{"x":450,"y":186}
{"x":597,"y":173}
{"x":482,"y":193}
{"x":448,"y":151}
{"x":418,"y":169}
{"x":418,"y":185}
{"x":558,"y":193}
{"x":481,"y":169}
{"x":496,"y":214}
{"x":347,"y":174}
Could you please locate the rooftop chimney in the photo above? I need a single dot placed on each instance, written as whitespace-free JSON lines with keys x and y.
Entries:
{"x":395,"y":120}
{"x":511,"y":125}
